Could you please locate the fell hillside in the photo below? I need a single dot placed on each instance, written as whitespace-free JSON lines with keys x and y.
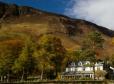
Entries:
{"x":34,"y":22}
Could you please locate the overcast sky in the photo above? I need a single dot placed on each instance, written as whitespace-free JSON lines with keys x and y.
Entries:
{"x":100,"y":12}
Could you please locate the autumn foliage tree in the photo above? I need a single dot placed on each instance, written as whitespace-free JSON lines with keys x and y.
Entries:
{"x":9,"y":50}
{"x":24,"y":63}
{"x":53,"y":50}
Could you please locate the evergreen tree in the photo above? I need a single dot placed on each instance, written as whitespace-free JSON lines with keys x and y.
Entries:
{"x":90,"y":45}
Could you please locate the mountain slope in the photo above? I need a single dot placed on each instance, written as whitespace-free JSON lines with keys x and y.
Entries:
{"x":16,"y":19}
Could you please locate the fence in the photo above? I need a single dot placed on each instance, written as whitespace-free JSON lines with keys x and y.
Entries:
{"x":58,"y":82}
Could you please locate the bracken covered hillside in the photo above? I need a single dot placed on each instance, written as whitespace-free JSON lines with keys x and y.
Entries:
{"x":21,"y":19}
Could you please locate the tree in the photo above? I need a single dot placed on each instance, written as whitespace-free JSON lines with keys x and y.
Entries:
{"x":55,"y":50}
{"x":9,"y":50}
{"x":75,"y":55}
{"x":6,"y":61}
{"x":24,"y":63}
{"x":111,"y":60}
{"x":93,"y":41}
{"x":72,"y":56}
{"x":90,"y":45}
{"x":100,"y":73}
{"x":42,"y":62}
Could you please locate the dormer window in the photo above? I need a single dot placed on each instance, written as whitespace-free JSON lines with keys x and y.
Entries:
{"x":87,"y":62}
{"x":79,"y":63}
{"x":73,"y":64}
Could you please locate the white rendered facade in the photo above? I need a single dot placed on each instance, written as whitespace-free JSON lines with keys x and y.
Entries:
{"x":82,"y":69}
{"x":86,"y":66}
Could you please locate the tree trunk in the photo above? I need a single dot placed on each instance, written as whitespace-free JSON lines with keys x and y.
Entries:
{"x":94,"y":60}
{"x":0,"y":25}
{"x":1,"y":78}
{"x":41,"y":77}
{"x":8,"y":77}
{"x":94,"y":70}
{"x":22,"y":77}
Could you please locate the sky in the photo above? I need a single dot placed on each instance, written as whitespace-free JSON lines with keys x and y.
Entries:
{"x":56,"y":6}
{"x":100,"y":12}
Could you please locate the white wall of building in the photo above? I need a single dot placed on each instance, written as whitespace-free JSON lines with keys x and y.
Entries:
{"x":84,"y":68}
{"x":88,"y":68}
{"x":79,"y":68}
